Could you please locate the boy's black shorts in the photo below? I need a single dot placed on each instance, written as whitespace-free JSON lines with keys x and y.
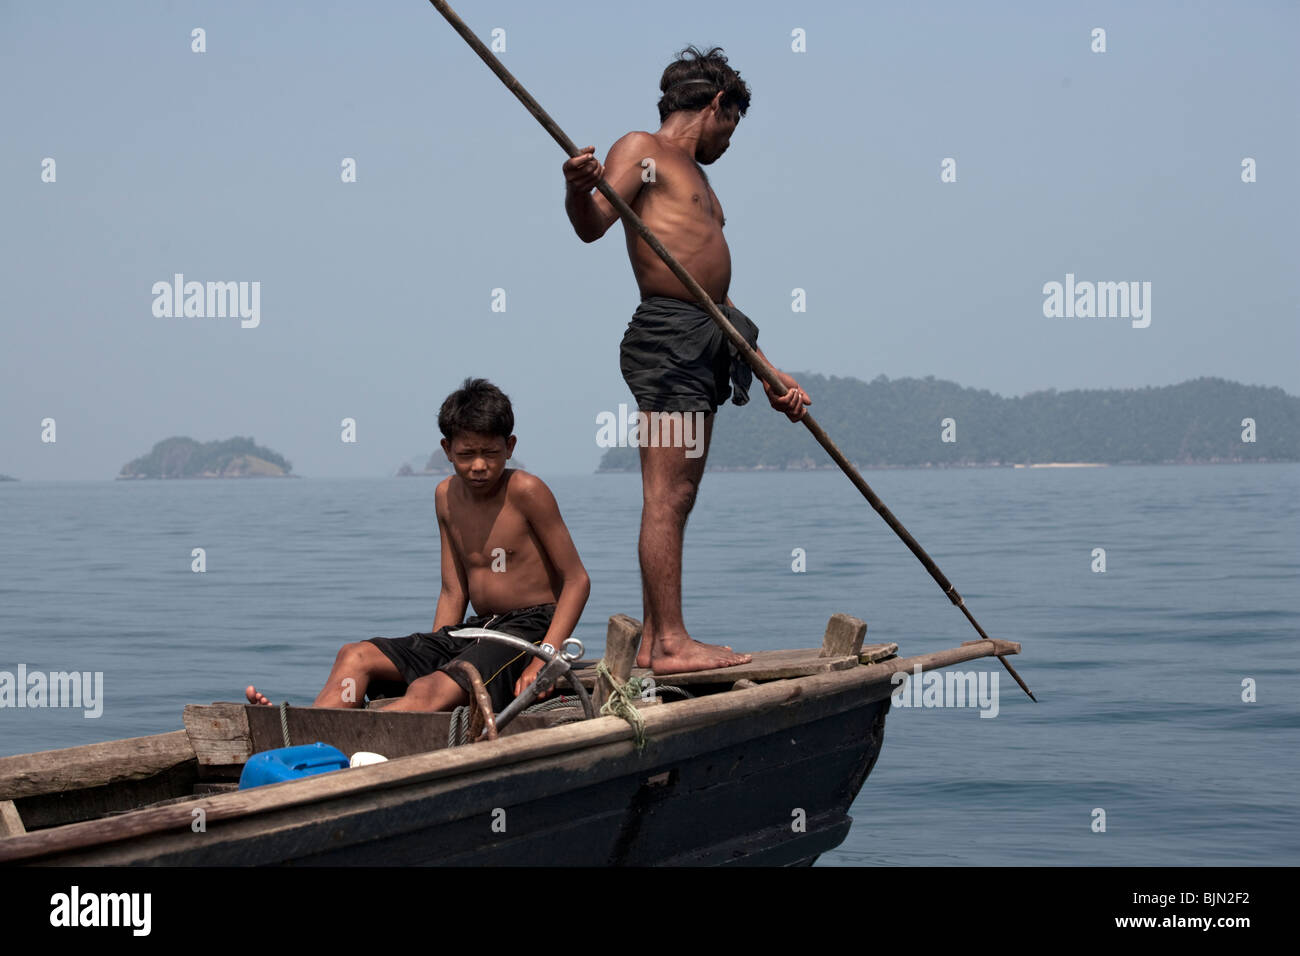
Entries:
{"x":419,"y":655}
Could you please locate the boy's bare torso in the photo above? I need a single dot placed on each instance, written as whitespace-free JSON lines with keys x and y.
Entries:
{"x":682,"y":210}
{"x":503,"y":564}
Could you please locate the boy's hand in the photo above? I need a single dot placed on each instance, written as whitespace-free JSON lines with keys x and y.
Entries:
{"x":529,"y":675}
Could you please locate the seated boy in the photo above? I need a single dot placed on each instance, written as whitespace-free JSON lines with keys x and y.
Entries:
{"x":505,"y":550}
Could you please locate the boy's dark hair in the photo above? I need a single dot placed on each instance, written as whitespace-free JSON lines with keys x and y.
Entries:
{"x":477,"y":406}
{"x":692,"y":80}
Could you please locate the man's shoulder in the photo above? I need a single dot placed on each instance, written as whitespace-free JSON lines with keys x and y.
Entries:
{"x":638,"y":135}
{"x":637,"y":140}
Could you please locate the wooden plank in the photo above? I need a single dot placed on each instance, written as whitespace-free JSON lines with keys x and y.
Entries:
{"x":219,"y":733}
{"x":11,"y":822}
{"x":1000,"y":648}
{"x":843,"y":637}
{"x":622,"y":639}
{"x":766,"y":665}
{"x":390,"y":733}
{"x":872,"y":653}
{"x":971,"y":650}
{"x":92,"y":765}
{"x":73,"y":806}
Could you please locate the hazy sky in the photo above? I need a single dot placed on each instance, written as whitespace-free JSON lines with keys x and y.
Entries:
{"x":375,"y":296}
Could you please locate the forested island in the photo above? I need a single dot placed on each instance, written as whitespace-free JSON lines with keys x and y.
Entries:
{"x":187,"y":458}
{"x":7,"y":478}
{"x":903,"y":423}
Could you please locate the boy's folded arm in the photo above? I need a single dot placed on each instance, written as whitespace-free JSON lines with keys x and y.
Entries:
{"x":453,"y":597}
{"x":543,"y":514}
{"x":450,"y":610}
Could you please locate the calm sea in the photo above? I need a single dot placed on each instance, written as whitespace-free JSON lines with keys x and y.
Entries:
{"x":1139,"y":670}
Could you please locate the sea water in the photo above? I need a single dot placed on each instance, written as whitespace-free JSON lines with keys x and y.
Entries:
{"x":1144,"y":671}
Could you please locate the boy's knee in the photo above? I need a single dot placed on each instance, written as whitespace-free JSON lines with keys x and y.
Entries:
{"x":417,"y":692}
{"x":434,"y":691}
{"x":355,"y":655}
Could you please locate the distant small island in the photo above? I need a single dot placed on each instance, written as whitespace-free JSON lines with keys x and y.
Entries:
{"x":901,"y":423}
{"x":186,"y":458}
{"x":438,"y":466}
{"x":7,"y":478}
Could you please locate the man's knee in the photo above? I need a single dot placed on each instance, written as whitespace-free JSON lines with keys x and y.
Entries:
{"x":676,"y":497}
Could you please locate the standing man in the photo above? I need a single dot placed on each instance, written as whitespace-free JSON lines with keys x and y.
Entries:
{"x":674,"y":358}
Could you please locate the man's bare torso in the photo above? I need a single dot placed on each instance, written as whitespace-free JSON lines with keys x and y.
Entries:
{"x":505,"y":565}
{"x":682,"y":210}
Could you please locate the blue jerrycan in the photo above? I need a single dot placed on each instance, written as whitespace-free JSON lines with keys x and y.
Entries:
{"x":291,"y":763}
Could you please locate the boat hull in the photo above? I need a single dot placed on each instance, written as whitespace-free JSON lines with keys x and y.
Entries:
{"x":766,"y":784}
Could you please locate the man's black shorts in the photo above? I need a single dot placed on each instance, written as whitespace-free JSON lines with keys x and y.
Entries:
{"x":674,"y":357}
{"x":419,"y":655}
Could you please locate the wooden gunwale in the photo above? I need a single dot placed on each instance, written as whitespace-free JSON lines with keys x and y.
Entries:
{"x":93,"y":765}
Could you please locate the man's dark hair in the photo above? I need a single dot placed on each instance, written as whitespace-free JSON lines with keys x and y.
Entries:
{"x":477,"y":406}
{"x":692,"y":80}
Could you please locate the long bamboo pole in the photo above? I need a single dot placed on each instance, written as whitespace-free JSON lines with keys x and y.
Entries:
{"x":761,"y":368}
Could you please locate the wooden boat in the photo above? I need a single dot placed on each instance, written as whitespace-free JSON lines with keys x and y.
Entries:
{"x":759,"y":766}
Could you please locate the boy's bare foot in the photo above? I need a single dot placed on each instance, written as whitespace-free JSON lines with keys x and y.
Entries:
{"x":691,"y":655}
{"x":254,"y":697}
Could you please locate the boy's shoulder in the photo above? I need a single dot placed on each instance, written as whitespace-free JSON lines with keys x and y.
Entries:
{"x":526,"y":491}
{"x":521,"y":488}
{"x":523,"y":482}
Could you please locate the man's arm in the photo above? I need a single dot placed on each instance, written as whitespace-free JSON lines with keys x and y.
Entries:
{"x":591,"y":213}
{"x":453,"y":598}
{"x":795,"y":398}
{"x":543,"y":514}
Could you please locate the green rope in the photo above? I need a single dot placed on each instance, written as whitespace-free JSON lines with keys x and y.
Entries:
{"x":620,"y":702}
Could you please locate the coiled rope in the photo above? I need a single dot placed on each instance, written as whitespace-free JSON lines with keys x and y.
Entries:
{"x":284,"y":722}
{"x":620,"y":702}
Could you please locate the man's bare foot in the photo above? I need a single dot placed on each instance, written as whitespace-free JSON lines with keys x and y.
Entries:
{"x":647,"y":654}
{"x":691,"y":655}
{"x":254,"y":697}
